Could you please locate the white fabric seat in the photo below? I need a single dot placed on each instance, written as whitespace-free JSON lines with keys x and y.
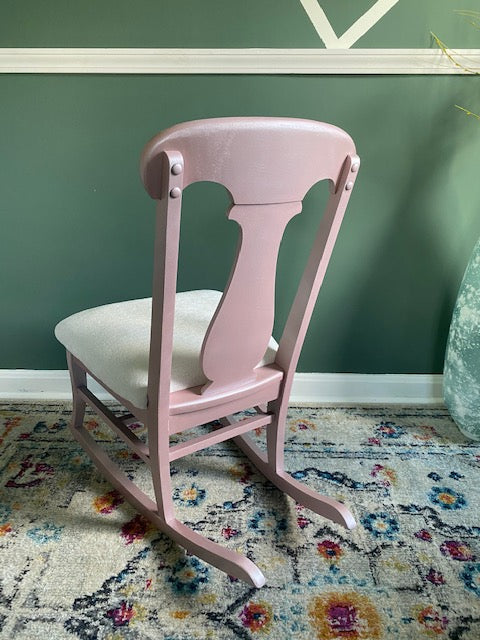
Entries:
{"x":113,"y":342}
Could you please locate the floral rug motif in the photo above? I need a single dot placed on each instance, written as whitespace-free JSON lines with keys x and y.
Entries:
{"x":79,"y":562}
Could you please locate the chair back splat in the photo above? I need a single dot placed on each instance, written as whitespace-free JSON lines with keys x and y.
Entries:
{"x":184,"y":359}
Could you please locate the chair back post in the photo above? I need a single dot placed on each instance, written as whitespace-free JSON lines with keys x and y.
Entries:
{"x":167,"y":235}
{"x":303,"y":304}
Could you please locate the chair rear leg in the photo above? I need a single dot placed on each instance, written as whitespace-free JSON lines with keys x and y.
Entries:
{"x":158,"y":444}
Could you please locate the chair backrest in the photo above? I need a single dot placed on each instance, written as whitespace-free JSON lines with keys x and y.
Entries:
{"x":267,"y":165}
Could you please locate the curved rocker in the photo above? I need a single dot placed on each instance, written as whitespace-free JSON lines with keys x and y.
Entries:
{"x":215,"y":554}
{"x":324,"y":506}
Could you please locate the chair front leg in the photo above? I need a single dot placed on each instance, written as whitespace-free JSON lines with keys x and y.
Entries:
{"x":78,"y":378}
{"x":276,"y":436}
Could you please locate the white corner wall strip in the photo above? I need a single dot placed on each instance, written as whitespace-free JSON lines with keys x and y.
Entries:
{"x":236,"y":61}
{"x":308,"y":388}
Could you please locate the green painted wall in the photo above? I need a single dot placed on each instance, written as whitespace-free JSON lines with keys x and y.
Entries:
{"x":76,"y":226}
{"x":221,"y":23}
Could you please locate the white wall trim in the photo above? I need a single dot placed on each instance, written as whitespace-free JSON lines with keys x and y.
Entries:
{"x":363,"y":388}
{"x":308,"y":388}
{"x":232,"y":61}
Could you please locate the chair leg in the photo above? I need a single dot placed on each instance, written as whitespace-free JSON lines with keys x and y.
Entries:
{"x":78,"y":378}
{"x":160,"y":513}
{"x":272,"y":468}
{"x":229,"y":561}
{"x":276,"y":436}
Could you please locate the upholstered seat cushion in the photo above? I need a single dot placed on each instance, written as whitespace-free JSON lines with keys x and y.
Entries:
{"x":113,"y":342}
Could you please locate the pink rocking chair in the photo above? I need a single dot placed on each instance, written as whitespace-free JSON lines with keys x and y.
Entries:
{"x":180,"y":360}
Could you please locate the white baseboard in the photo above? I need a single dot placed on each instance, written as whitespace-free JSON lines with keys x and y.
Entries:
{"x":308,"y":388}
{"x":366,"y":388}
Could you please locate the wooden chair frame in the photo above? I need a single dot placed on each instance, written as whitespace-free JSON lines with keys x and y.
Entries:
{"x":232,"y":388}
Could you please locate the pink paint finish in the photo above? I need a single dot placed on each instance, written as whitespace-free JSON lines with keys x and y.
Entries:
{"x":231,"y":350}
{"x":267,"y":165}
{"x":280,"y":158}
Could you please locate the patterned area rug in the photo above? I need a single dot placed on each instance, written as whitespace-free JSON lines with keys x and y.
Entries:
{"x":78,"y":562}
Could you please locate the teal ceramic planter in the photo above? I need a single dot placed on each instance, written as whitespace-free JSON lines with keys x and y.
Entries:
{"x":462,"y":358}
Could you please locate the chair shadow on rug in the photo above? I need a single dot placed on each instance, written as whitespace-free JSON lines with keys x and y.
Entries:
{"x":179,"y":360}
